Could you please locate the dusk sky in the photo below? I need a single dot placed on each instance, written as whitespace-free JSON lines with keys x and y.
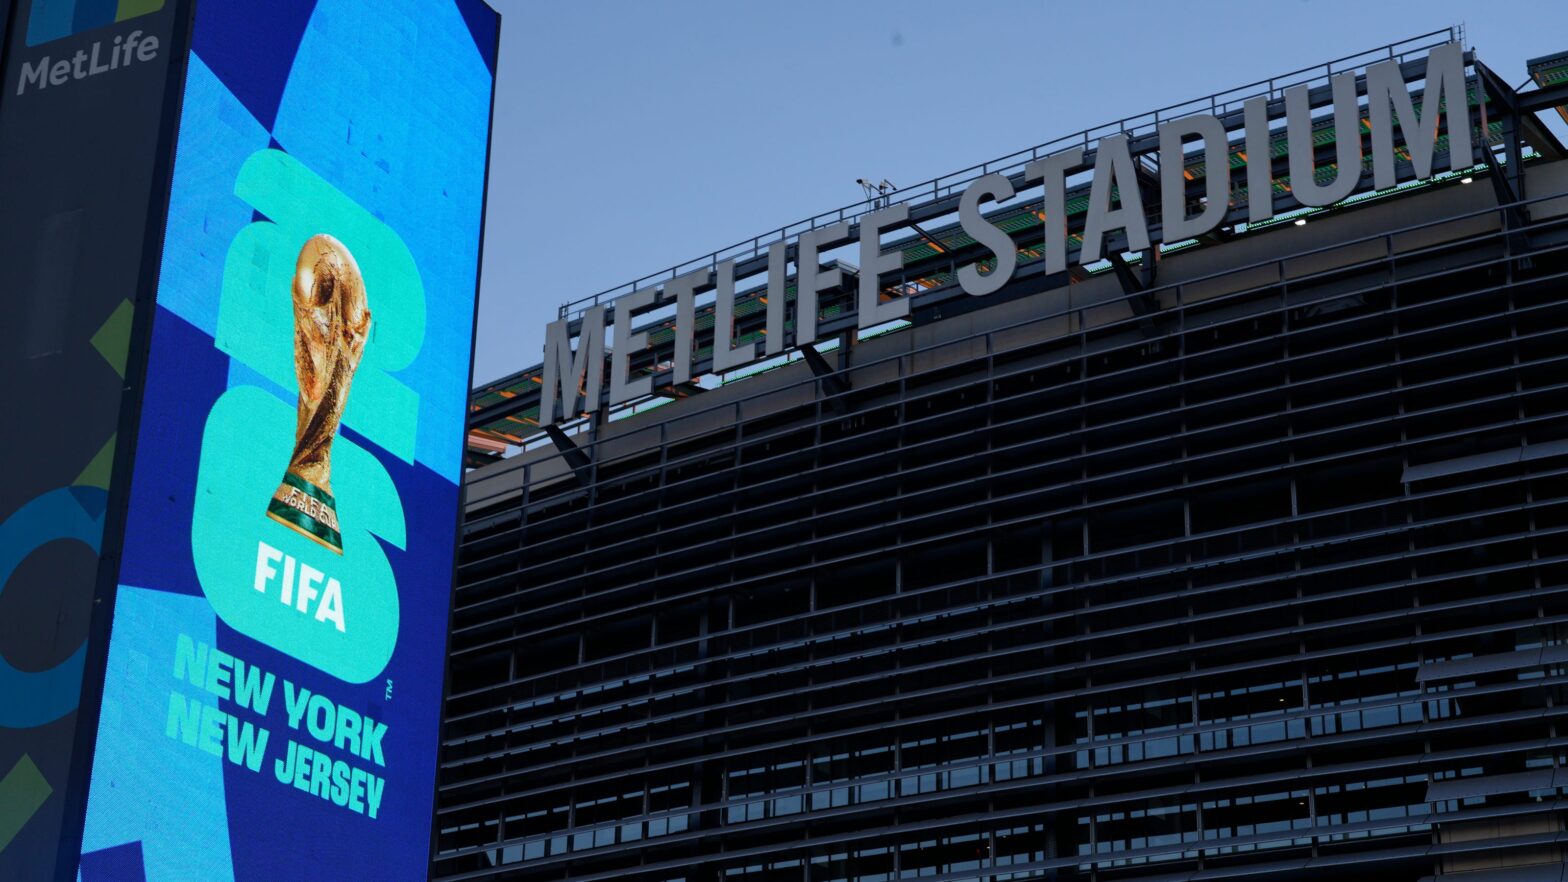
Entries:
{"x":630,"y":137}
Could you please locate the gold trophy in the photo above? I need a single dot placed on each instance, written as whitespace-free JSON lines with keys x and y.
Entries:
{"x":331,"y":324}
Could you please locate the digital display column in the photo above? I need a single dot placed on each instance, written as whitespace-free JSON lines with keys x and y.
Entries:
{"x":86,"y":118}
{"x":271,"y":696}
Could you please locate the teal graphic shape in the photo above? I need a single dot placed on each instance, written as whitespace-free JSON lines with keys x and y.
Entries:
{"x":245,"y":449}
{"x":33,"y":698}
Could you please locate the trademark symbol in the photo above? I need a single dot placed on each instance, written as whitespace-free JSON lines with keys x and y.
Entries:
{"x":389,"y":690}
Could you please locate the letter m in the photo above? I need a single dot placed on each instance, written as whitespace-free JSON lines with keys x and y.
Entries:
{"x":36,"y":73}
{"x":572,"y":374}
{"x":1386,"y":96}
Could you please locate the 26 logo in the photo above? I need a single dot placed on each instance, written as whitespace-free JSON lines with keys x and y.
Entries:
{"x":275,"y":585}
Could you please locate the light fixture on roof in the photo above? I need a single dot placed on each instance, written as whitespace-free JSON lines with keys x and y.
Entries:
{"x":1466,"y":179}
{"x":1301,"y":221}
{"x":876,"y":194}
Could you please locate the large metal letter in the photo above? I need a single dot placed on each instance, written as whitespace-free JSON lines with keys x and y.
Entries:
{"x":873,"y":263}
{"x":778,"y":275}
{"x":726,"y":355}
{"x":1387,"y":95}
{"x":995,"y":187}
{"x":627,"y":342}
{"x":1175,"y":224}
{"x":1053,"y":171}
{"x":563,"y":373}
{"x":1347,"y":143}
{"x":809,"y":280}
{"x":684,"y":290}
{"x":1260,"y":159}
{"x":1113,"y":168}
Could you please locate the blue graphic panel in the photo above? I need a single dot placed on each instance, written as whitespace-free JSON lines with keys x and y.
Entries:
{"x":123,"y":863}
{"x":253,"y":70}
{"x":293,"y":505}
{"x":483,"y":26}
{"x":73,"y":514}
{"x":167,"y":805}
{"x":202,"y":225}
{"x":55,"y":19}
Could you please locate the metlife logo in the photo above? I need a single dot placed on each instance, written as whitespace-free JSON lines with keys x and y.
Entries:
{"x":52,"y":20}
{"x":103,"y":56}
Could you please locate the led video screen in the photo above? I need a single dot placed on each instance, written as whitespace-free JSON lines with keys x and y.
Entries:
{"x":272,"y":692}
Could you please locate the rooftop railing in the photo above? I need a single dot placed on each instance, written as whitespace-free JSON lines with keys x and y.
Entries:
{"x":951,"y":184}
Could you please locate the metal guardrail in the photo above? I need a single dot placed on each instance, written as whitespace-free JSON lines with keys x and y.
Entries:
{"x":950,"y":184}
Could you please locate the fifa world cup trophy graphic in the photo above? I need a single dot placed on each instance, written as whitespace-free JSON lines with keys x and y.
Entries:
{"x":331,"y":324}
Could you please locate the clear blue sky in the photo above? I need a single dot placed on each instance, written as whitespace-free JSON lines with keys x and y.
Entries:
{"x":632,"y":136}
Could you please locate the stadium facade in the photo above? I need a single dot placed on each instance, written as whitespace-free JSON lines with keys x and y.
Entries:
{"x":1244,"y":556}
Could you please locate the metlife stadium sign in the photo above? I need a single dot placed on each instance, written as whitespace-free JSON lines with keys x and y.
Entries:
{"x":573,"y":377}
{"x":261,"y":682}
